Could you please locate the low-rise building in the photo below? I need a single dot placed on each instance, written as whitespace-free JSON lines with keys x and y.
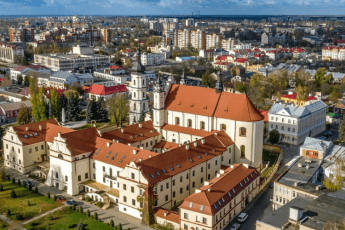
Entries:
{"x":11,"y":53}
{"x":96,"y":91}
{"x":61,"y":79}
{"x":295,"y":123}
{"x":152,"y":58}
{"x":9,"y":111}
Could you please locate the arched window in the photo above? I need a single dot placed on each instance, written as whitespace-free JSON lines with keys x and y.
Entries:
{"x":110,"y":172}
{"x":189,"y":122}
{"x":243,"y":132}
{"x":134,"y":82}
{"x":243,"y":151}
{"x":177,"y":120}
{"x":223,"y":127}
{"x":135,"y":106}
{"x":134,"y":95}
{"x":60,"y":156}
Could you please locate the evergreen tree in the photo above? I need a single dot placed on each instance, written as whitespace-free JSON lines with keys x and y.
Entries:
{"x":274,"y":137}
{"x":91,"y":111}
{"x":19,"y":183}
{"x":1,"y":188}
{"x":55,"y":104}
{"x":48,"y":195}
{"x":9,"y":213}
{"x":63,"y":101}
{"x":40,"y":108}
{"x":88,"y":213}
{"x":20,"y":79}
{"x":23,"y":115}
{"x":73,"y":110}
{"x":102,"y":110}
{"x":36,"y":190}
{"x":13,"y":194}
{"x":119,"y":227}
{"x":27,"y":81}
{"x":95,"y":216}
{"x":81,"y":209}
{"x":112,"y":223}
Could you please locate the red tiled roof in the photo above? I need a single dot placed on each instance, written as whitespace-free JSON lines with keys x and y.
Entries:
{"x":294,"y":96}
{"x":115,"y":67}
{"x":181,"y":158}
{"x":103,"y":90}
{"x":132,"y":133}
{"x":219,"y":188}
{"x":241,"y":60}
{"x":25,"y":91}
{"x":170,"y":216}
{"x":264,"y":113}
{"x":166,"y":145}
{"x":59,"y":91}
{"x":191,"y":99}
{"x":2,"y":79}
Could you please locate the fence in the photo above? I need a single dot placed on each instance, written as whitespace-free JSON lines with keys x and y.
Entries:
{"x":267,"y":180}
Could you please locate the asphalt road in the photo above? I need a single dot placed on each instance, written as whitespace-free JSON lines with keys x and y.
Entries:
{"x":261,"y":208}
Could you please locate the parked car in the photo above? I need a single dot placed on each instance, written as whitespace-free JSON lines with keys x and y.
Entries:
{"x":322,"y":138}
{"x":242,"y":217}
{"x":27,"y":182}
{"x":329,"y":133}
{"x":235,"y":226}
{"x":71,"y":202}
{"x":61,"y":197}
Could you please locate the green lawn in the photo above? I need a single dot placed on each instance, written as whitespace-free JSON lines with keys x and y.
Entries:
{"x":67,"y":219}
{"x":39,"y":203}
{"x":270,"y":156}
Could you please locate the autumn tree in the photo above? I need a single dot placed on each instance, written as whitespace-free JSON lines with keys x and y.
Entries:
{"x":55,"y":104}
{"x":118,"y":108}
{"x":23,"y":115}
{"x":302,"y":93}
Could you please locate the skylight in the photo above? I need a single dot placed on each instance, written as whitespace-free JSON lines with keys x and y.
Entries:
{"x":178,"y":165}
{"x":198,"y":156}
{"x":134,"y":159}
{"x":219,"y":202}
{"x":25,"y":136}
{"x":233,"y":190}
{"x":122,"y":158}
{"x":158,"y":173}
{"x":114,"y":156}
{"x":171,"y":168}
{"x":98,"y":151}
{"x":152,"y":176}
{"x":215,"y":206}
{"x":191,"y":204}
{"x":206,"y":153}
{"x":229,"y":194}
{"x":35,"y":134}
{"x":30,"y":134}
{"x":108,"y":154}
{"x":202,"y":208}
{"x":163,"y":170}
{"x":223,"y":200}
{"x":241,"y":184}
{"x":190,"y":159}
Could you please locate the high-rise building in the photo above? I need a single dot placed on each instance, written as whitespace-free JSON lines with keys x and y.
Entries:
{"x":213,"y":41}
{"x":21,"y":35}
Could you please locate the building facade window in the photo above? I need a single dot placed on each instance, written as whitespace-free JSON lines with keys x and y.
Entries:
{"x":243,"y":151}
{"x":243,"y":132}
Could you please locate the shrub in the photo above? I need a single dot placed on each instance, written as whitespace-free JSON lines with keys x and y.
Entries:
{"x":99,"y":204}
{"x":88,"y":213}
{"x":81,"y":209}
{"x":36,"y":190}
{"x":8,"y":213}
{"x":80,"y":226}
{"x":19,"y":216}
{"x":29,"y":203}
{"x":8,"y":177}
{"x":71,"y":226}
{"x":88,"y":199}
{"x":119,"y":227}
{"x":54,"y":198}
{"x":111,"y":223}
{"x":95,"y":216}
{"x":1,"y":188}
{"x":74,"y":206}
{"x":48,"y":195}
{"x":24,"y":184}
{"x":33,"y":224}
{"x":30,"y":187}
{"x":19,"y":183}
{"x":13,"y":194}
{"x":13,"y":180}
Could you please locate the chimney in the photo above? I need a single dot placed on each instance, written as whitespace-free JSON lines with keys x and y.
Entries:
{"x":108,"y":144}
{"x":295,"y":184}
{"x":246,"y":165}
{"x":307,"y":166}
{"x":232,"y":166}
{"x":117,"y":141}
{"x":197,"y":191}
{"x":135,"y":151}
{"x":295,"y":213}
{"x":165,"y":213}
{"x":114,"y":140}
{"x":141,"y":147}
{"x":215,"y":134}
{"x":129,"y":144}
{"x":221,"y":171}
{"x":300,"y":165}
{"x":206,"y":183}
{"x":218,"y":175}
{"x":140,"y":125}
{"x":195,"y":144}
{"x":187,"y":147}
{"x":203,"y":141}
{"x":27,"y":128}
{"x":40,"y":127}
{"x":122,"y":130}
{"x":150,"y":156}
{"x":209,"y":189}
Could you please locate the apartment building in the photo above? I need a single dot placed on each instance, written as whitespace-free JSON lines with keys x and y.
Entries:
{"x":170,"y":26}
{"x":190,"y":22}
{"x":60,"y":79}
{"x":228,"y":44}
{"x":295,"y":123}
{"x":24,"y":70}
{"x":11,"y":53}
{"x":81,"y":62}
{"x":106,"y":35}
{"x":20,"y":35}
{"x":219,"y":200}
{"x":333,"y":53}
{"x":264,"y":39}
{"x":182,"y":38}
{"x":213,"y":41}
{"x":148,"y":59}
{"x":198,"y":39}
{"x":298,"y":180}
{"x":118,"y":79}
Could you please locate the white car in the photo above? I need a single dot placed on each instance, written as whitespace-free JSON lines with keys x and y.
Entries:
{"x":235,"y":226}
{"x":242,"y":217}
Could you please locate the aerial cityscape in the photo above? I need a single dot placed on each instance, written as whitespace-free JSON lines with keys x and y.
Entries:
{"x":172,"y":114}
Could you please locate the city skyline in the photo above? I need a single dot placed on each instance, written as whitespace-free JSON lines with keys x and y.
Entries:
{"x":172,"y":7}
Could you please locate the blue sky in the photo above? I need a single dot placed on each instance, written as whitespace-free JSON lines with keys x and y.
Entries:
{"x":171,"y":7}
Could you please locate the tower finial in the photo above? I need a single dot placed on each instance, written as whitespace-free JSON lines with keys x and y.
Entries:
{"x":219,"y":84}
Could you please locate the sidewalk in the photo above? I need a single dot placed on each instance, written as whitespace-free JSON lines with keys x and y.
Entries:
{"x":106,"y":215}
{"x":44,"y":214}
{"x":12,"y":225}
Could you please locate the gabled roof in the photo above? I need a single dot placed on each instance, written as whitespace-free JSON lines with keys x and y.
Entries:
{"x":316,"y":144}
{"x":103,"y":90}
{"x":216,"y":194}
{"x":15,"y":105}
{"x":191,"y":99}
{"x":180,"y":159}
{"x":132,"y":133}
